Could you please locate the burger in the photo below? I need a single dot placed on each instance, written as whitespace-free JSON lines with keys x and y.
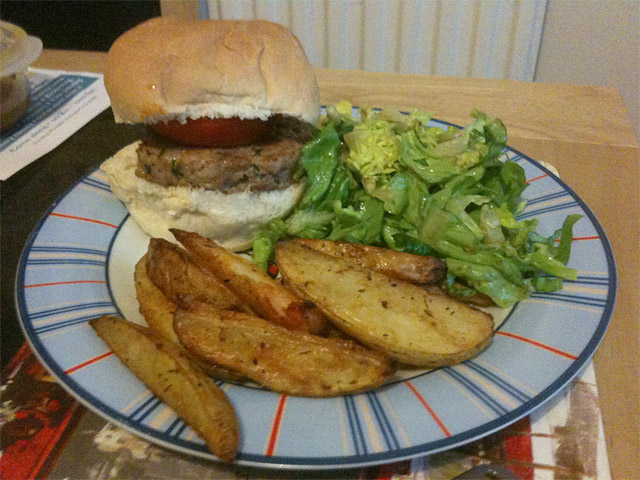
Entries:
{"x":228,"y":106}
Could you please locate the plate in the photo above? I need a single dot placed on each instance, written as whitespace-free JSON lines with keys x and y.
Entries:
{"x":78,"y":264}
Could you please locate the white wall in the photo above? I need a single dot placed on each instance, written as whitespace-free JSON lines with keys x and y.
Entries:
{"x":591,"y":42}
{"x":478,"y":38}
{"x":594,"y":42}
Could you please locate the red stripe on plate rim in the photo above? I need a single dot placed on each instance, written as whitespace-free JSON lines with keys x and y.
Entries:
{"x":535,"y":343}
{"x":84,"y":219}
{"x":433,"y":414}
{"x":71,"y":370}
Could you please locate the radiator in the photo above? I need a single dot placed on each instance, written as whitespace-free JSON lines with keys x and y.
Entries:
{"x":464,"y":38}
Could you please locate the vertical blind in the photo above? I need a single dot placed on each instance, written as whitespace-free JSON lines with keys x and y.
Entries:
{"x":475,"y":38}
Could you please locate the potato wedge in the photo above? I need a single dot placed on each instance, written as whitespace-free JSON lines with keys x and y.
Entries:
{"x":173,"y":270}
{"x":265,"y":296}
{"x":158,"y":311}
{"x":403,"y":266}
{"x":477,"y":299}
{"x":425,"y":271}
{"x":401,"y":319}
{"x":155,"y":307}
{"x":287,"y":361}
{"x":171,"y":375}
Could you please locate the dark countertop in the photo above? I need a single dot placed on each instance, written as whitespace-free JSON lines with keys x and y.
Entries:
{"x":28,"y":194}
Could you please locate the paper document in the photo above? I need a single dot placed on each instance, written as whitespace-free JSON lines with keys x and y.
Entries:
{"x":61,"y":103}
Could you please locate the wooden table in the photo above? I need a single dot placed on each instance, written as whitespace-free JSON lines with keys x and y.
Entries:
{"x":586,"y":134}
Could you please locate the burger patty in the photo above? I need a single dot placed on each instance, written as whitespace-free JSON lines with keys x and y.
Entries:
{"x":268,"y":165}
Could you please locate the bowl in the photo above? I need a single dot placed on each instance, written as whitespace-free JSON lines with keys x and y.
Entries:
{"x":17,"y":52}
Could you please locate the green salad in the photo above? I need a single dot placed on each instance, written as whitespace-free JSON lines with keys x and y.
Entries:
{"x":389,"y":179}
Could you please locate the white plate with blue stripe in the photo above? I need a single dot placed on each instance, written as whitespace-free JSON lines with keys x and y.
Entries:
{"x":78,"y":264}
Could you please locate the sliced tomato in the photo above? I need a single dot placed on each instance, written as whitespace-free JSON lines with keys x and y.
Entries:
{"x":213,"y":132}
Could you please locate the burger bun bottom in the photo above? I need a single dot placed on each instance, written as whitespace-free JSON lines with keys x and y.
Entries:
{"x":231,"y":220}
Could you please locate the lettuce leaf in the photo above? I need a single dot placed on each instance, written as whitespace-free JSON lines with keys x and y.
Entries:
{"x":393,"y":180}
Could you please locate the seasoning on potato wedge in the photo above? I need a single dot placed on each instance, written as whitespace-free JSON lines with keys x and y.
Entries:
{"x":155,"y":307}
{"x":287,"y":361}
{"x":401,"y":319}
{"x":477,"y":299}
{"x":173,"y":270}
{"x":171,"y":375}
{"x":418,"y":269}
{"x":265,"y":296}
{"x":158,"y":311}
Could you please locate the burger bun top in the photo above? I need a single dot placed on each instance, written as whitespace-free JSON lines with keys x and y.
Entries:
{"x":173,"y":69}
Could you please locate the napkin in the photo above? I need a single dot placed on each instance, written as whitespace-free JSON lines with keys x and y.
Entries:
{"x":45,"y":432}
{"x":61,"y":103}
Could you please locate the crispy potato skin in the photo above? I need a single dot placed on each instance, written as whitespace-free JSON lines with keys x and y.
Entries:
{"x":287,"y":361}
{"x":427,"y":272}
{"x":155,"y":307}
{"x":401,"y":319}
{"x":171,"y":375}
{"x":403,"y":266}
{"x":265,"y":296}
{"x":173,"y":270}
{"x":477,"y":300}
{"x":158,"y":311}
